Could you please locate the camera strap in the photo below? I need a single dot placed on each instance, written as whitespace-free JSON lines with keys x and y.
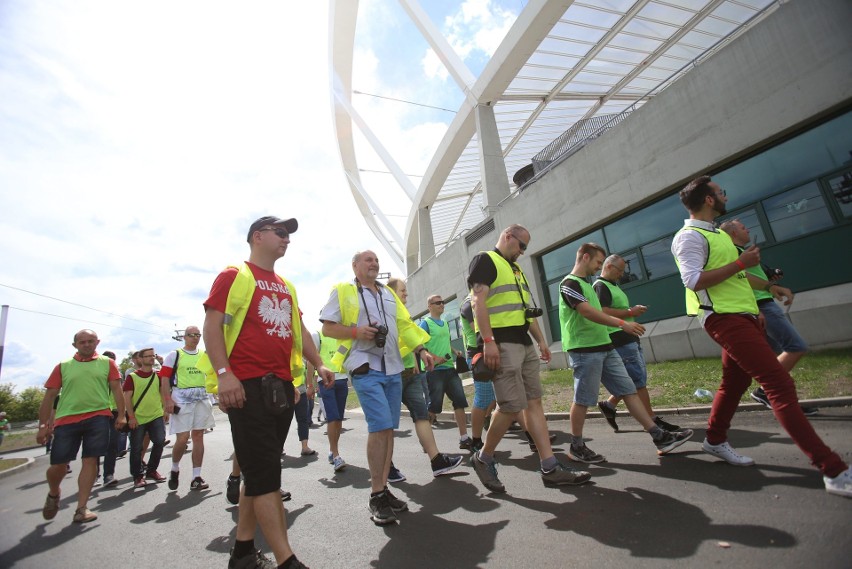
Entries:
{"x":379,"y":307}
{"x":515,"y":271}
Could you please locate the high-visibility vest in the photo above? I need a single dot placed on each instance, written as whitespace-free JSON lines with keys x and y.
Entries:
{"x":236,"y":308}
{"x":577,"y":330}
{"x":410,"y":334}
{"x":619,"y":301}
{"x":84,"y":386}
{"x":508,"y":295}
{"x":731,"y":296}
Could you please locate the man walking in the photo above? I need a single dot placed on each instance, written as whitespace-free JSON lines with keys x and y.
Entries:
{"x":586,"y":340}
{"x":255,"y":339}
{"x":144,"y":401}
{"x":444,"y":380}
{"x":720,"y":295}
{"x":504,"y":318}
{"x":374,"y":331}
{"x":189,"y":406}
{"x":82,"y":418}
{"x":614,"y":302}
{"x":333,"y":400}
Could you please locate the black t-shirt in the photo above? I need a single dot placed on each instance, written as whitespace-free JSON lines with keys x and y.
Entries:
{"x":620,"y":338}
{"x":483,"y":271}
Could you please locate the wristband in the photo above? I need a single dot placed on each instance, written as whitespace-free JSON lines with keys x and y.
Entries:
{"x":740,"y":264}
{"x":630,"y":312}
{"x":354,"y":332}
{"x":487,"y":340}
{"x":42,"y":426}
{"x":621,"y":323}
{"x":223,"y":371}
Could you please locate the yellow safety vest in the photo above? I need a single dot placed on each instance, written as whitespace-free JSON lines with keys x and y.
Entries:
{"x":508,"y":295}
{"x":410,"y":334}
{"x":236,"y":308}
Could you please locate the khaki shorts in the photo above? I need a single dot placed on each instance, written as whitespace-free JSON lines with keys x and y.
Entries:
{"x":517,"y":381}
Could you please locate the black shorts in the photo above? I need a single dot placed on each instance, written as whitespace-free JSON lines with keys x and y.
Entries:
{"x":259,"y":440}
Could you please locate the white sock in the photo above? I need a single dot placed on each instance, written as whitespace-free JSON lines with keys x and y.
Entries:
{"x":175,"y":467}
{"x":196,"y":472}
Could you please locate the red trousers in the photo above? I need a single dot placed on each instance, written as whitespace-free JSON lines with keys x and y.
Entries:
{"x":747,"y":355}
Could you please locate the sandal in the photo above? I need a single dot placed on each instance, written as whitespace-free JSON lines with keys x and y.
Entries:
{"x":309,"y":452}
{"x":84,"y":515}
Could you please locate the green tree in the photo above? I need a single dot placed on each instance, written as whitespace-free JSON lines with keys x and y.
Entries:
{"x":126,"y":363}
{"x":29,"y":402}
{"x":8,"y":401}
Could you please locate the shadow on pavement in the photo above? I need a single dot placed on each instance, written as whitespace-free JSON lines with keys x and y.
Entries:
{"x":39,"y":540}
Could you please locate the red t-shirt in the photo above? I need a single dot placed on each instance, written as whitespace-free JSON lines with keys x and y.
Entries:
{"x":54,"y":381}
{"x":266,"y":338}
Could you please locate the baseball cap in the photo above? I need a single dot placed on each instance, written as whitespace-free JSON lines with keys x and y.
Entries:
{"x":291,"y":225}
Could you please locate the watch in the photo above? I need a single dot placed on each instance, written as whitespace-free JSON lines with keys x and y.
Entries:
{"x":223,"y":371}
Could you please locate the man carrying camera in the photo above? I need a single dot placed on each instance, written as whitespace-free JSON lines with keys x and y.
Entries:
{"x":444,"y":380}
{"x":505,"y":315}
{"x":783,"y":338}
{"x":374,"y":331}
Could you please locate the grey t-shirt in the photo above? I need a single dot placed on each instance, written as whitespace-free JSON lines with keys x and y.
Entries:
{"x":382,"y":310}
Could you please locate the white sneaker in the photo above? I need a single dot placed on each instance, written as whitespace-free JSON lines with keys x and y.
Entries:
{"x":330,"y":458}
{"x":339,"y":463}
{"x":726,"y":453}
{"x":840,"y":484}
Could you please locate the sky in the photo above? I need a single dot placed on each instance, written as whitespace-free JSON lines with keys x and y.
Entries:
{"x":138,"y":141}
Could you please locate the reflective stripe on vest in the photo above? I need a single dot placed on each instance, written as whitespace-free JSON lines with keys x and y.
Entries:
{"x":504,"y":301}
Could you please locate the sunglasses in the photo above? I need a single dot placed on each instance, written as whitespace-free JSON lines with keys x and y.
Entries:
{"x":521,"y":244}
{"x":438,"y":302}
{"x":282,"y":233}
{"x":192,"y":335}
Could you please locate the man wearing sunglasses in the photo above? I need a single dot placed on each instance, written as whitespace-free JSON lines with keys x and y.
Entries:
{"x":444,"y":380}
{"x":504,"y":319}
{"x":189,"y":406}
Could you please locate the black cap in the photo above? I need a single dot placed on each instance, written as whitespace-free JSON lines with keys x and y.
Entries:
{"x":291,"y":225}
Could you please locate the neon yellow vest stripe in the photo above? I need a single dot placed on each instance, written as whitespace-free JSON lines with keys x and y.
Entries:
{"x":236,"y":308}
{"x":505,"y":303}
{"x":731,"y":296}
{"x":410,"y":334}
{"x":84,"y":387}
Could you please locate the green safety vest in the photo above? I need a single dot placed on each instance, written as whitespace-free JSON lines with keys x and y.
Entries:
{"x":577,"y":330}
{"x":151,"y":407}
{"x":731,"y":296}
{"x":619,"y":301}
{"x":439,"y":343}
{"x":85,"y":388}
{"x":410,"y":334}
{"x":236,"y":308}
{"x":757,"y":270}
{"x":508,"y":295}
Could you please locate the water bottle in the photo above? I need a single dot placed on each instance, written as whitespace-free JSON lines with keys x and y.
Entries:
{"x":703,"y":394}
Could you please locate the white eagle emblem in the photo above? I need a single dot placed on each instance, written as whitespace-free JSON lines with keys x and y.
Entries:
{"x":275,"y":313}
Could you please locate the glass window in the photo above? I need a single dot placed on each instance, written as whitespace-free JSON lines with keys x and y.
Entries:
{"x":553,"y":293}
{"x":632,"y":268}
{"x":659,"y":261}
{"x":559,"y":262}
{"x":750,"y":219}
{"x":665,"y":216}
{"x":797,"y":212}
{"x":841,"y":191}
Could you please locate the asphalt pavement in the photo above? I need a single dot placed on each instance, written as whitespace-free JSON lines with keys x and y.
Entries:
{"x":686,"y":509}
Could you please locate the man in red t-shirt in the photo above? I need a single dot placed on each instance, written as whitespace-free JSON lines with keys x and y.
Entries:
{"x":259,"y":359}
{"x":83,"y":416}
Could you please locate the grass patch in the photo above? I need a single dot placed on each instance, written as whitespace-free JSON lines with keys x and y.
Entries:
{"x":7,"y":463}
{"x":15,"y":441}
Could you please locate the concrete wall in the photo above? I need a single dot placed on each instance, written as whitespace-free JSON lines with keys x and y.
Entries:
{"x":785,"y":72}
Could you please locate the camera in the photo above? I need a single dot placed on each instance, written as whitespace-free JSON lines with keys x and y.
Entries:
{"x":381,"y":335}
{"x":533,"y":312}
{"x":774,"y":273}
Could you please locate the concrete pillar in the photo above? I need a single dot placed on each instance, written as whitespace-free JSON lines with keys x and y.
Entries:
{"x":495,"y":183}
{"x":427,"y":240}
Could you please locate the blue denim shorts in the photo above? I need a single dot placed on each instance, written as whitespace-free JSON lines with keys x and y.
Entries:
{"x":380,"y":396}
{"x":412,"y":397}
{"x":334,"y":399}
{"x":634,"y":362}
{"x":92,"y":433}
{"x":445,"y":381}
{"x":780,"y":333}
{"x":593,"y":368}
{"x":483,"y":394}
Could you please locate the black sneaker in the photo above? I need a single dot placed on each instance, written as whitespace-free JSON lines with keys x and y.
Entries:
{"x":285,"y":495}
{"x":760,"y":396}
{"x":514,"y":427}
{"x":394,"y":475}
{"x":670,"y":441}
{"x":466,"y":444}
{"x":809,"y":411}
{"x":256,"y":559}
{"x":173,"y":480}
{"x":442,"y":464}
{"x":487,"y":474}
{"x":380,"y":510}
{"x":532,"y":444}
{"x":232,"y":490}
{"x":584,"y":454}
{"x":609,"y":414}
{"x":563,"y":475}
{"x":198,"y":483}
{"x":477,"y":445}
{"x":666,"y":426}
{"x":396,"y":504}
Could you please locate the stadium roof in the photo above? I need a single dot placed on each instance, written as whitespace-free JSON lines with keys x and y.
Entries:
{"x":558,"y":62}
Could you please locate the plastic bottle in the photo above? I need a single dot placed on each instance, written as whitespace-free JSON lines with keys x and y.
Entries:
{"x":703,"y":394}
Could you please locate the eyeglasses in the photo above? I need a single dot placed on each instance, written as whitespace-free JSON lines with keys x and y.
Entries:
{"x":441,"y":302}
{"x":521,"y":244}
{"x":148,"y":356}
{"x":192,"y":335}
{"x":282,"y":233}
